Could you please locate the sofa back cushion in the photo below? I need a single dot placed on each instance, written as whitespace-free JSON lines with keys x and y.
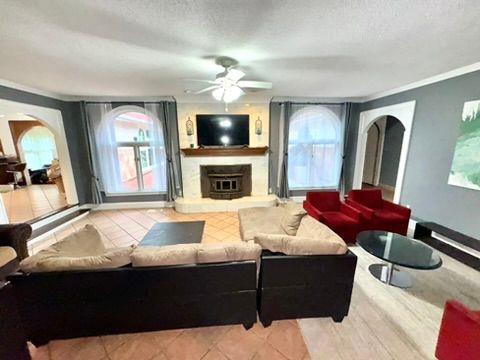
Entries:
{"x":235,"y":251}
{"x":291,"y":218}
{"x":324,"y":200}
{"x":371,"y":198}
{"x":260,"y":219}
{"x":183,"y":254}
{"x":180,"y":254}
{"x":299,"y":245}
{"x":81,"y":250}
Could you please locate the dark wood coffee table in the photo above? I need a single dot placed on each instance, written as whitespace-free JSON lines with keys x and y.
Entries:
{"x":173,"y":233}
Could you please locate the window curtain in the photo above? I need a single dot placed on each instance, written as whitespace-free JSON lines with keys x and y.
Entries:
{"x":278,"y":153}
{"x":286,"y":113}
{"x":94,"y":172}
{"x":167,"y":114}
{"x":322,"y":143}
{"x":157,"y":141}
{"x":106,"y":146}
{"x":347,"y":119}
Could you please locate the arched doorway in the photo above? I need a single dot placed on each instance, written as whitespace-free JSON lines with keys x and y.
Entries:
{"x":50,"y":118}
{"x":404,"y":114}
{"x":382,"y":155}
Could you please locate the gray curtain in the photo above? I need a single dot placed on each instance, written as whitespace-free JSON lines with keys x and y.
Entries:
{"x":347,"y":119}
{"x":283,"y":190}
{"x":168,"y":117}
{"x":90,"y":137}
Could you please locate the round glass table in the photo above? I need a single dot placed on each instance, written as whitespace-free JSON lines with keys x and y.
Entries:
{"x":399,"y":250}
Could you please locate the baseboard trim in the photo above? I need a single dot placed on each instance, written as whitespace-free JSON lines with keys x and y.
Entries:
{"x":130,"y":205}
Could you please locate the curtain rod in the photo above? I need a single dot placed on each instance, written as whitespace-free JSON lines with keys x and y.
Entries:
{"x":307,"y":103}
{"x":128,"y":102}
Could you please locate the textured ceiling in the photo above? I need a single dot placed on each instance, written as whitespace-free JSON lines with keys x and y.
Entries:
{"x":306,"y":48}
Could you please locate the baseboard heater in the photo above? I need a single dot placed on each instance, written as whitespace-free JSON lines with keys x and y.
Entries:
{"x":457,"y":245}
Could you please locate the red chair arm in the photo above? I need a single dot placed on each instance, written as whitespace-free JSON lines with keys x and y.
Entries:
{"x":366,"y":212}
{"x":459,"y":333}
{"x":350,"y":211}
{"x":402,"y":210}
{"x":312,"y":210}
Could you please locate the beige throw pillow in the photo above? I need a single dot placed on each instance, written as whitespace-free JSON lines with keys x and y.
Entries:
{"x":294,"y":212}
{"x":81,"y":250}
{"x":297,"y":245}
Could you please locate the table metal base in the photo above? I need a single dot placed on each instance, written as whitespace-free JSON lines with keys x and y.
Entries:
{"x":390,"y":275}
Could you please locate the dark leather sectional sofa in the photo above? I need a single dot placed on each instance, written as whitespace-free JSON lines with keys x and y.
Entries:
{"x":61,"y":305}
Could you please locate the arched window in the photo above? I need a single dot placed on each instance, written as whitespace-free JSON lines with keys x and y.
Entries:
{"x":314,"y":148}
{"x":132,"y":153}
{"x":38,"y":147}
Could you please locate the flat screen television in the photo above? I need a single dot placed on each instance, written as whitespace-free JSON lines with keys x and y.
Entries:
{"x":223,"y":130}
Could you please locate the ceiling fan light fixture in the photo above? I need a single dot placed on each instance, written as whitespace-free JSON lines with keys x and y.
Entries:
{"x":218,"y":94}
{"x":232,"y":93}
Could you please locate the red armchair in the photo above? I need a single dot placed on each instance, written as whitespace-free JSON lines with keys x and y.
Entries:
{"x":459,"y":337}
{"x":379,"y":214}
{"x":326,"y":207}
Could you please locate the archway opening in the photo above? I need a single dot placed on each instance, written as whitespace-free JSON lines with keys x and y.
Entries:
{"x":382,"y":155}
{"x":30,"y":168}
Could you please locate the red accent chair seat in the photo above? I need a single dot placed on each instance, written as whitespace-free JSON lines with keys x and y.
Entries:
{"x":377,"y":213}
{"x":326,"y":207}
{"x":459,"y":336}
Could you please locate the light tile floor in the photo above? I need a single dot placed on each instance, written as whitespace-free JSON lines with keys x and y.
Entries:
{"x":281,"y":340}
{"x":32,"y":201}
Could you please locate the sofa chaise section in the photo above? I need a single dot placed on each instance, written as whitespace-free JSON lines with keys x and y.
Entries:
{"x":304,"y":283}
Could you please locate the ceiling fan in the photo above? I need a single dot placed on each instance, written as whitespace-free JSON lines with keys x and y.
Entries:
{"x":228,"y":86}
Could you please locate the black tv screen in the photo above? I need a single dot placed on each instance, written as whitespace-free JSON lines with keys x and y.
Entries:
{"x":222,"y":130}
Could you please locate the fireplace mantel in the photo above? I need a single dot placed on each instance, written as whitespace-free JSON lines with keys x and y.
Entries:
{"x":226,"y":151}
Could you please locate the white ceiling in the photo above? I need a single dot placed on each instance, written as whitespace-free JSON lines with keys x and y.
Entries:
{"x":306,"y":48}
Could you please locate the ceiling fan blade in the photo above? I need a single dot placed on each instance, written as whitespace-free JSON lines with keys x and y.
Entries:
{"x":234,"y":74}
{"x":207,"y":89}
{"x":203,"y":81}
{"x":255,"y":84}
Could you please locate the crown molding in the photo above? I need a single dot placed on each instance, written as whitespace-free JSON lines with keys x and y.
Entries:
{"x":16,"y":86}
{"x":431,"y":80}
{"x":189,"y":99}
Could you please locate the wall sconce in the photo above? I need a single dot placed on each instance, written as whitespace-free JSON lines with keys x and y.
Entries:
{"x":189,"y":126}
{"x":258,"y":126}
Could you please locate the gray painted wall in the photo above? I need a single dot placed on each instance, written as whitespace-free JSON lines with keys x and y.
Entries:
{"x":75,"y":132}
{"x":435,"y":130}
{"x":392,"y":147}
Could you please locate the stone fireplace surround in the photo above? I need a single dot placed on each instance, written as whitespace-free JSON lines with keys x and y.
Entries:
{"x":192,"y":200}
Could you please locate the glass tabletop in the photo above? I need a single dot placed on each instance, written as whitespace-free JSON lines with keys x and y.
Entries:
{"x":398,"y":249}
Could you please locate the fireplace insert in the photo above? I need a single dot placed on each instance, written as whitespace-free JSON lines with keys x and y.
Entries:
{"x":226,"y":181}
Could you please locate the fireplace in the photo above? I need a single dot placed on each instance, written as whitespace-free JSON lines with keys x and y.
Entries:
{"x":226,"y":181}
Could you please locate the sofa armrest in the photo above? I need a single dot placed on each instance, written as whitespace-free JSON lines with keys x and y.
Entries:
{"x":402,"y":210}
{"x":365,"y":211}
{"x":312,"y":210}
{"x":16,"y":236}
{"x":350,"y":211}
